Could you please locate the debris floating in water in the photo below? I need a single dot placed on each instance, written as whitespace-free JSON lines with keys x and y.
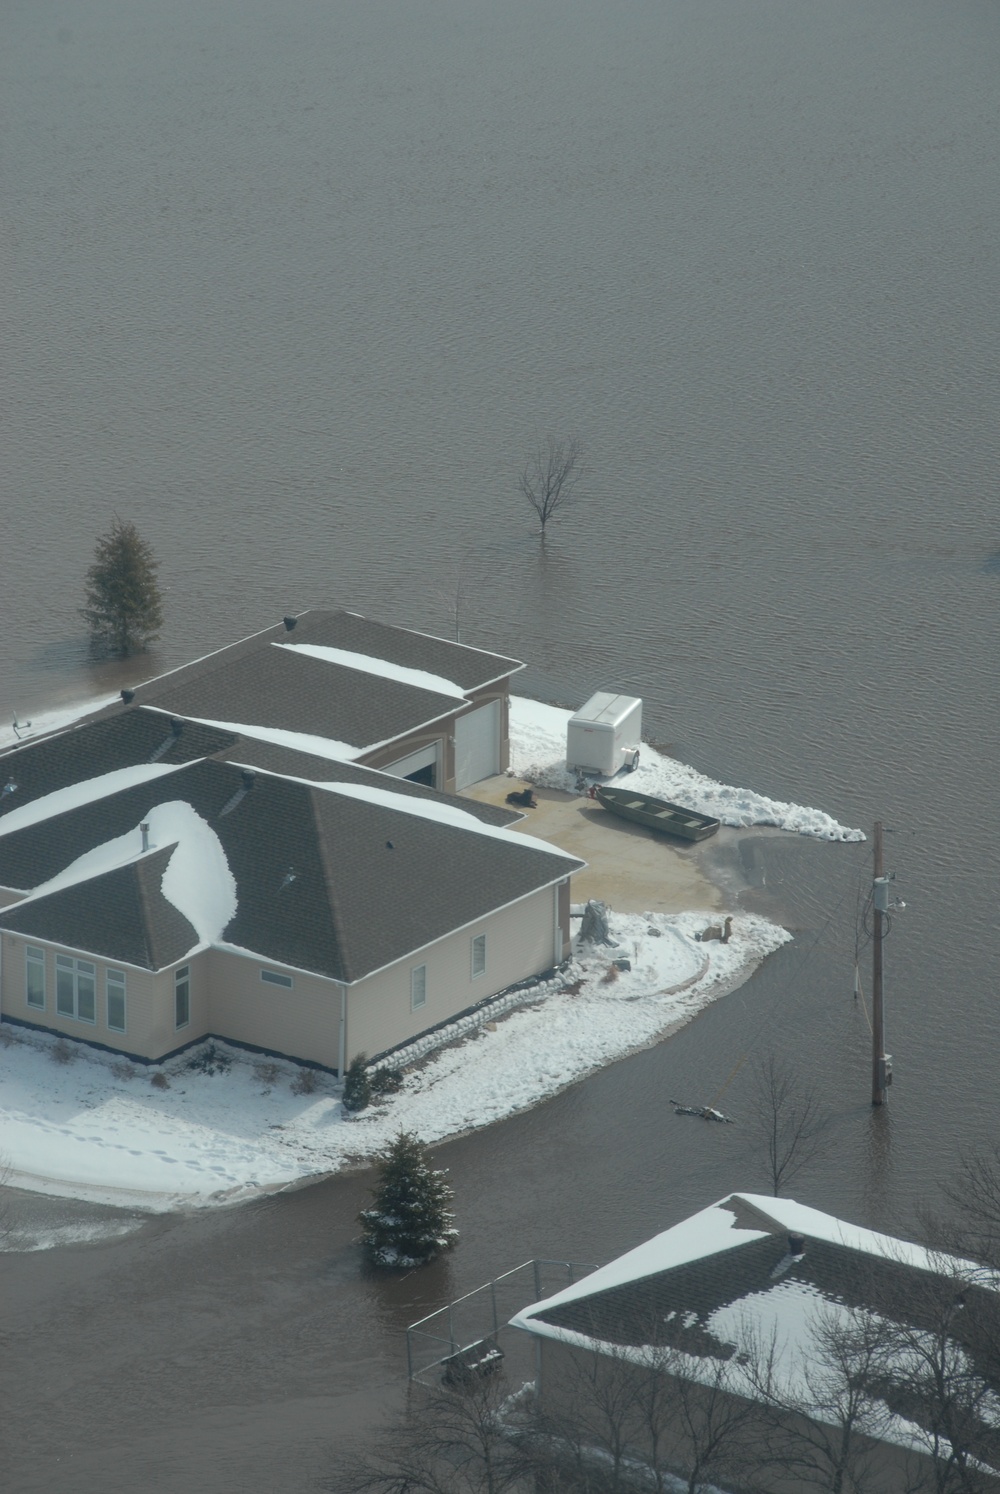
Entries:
{"x":703,"y":1112}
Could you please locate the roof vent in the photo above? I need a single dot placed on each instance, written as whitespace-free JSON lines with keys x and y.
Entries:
{"x":128,"y":696}
{"x":796,"y":1247}
{"x":176,"y":725}
{"x":249,"y":778}
{"x":10,"y":787}
{"x":289,"y":623}
{"x":389,"y":846}
{"x":144,"y":832}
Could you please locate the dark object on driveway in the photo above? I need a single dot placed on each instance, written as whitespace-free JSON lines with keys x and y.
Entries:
{"x":523,"y":798}
{"x":656,"y":814}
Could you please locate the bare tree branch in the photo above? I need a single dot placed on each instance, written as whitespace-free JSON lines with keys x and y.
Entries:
{"x":549,"y":478}
{"x":786,"y":1121}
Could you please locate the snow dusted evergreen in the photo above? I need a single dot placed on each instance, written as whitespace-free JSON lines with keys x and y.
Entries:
{"x":410,"y":1222}
{"x":357,"y":1085}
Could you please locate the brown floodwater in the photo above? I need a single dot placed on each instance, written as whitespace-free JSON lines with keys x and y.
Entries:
{"x":296,"y":291}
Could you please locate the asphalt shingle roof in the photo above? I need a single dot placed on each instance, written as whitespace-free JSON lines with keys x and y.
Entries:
{"x":100,"y":746}
{"x":255,"y":683}
{"x":121,"y":915}
{"x":256,"y":753}
{"x":318,"y":887}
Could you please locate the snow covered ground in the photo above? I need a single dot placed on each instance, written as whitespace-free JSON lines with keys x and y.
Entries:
{"x":98,"y":1127}
{"x":538,"y":755}
{"x":79,"y":1123}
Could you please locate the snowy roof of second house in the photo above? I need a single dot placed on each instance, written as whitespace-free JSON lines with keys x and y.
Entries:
{"x":728,"y":1283}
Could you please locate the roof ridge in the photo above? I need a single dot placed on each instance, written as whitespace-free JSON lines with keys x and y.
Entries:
{"x":328,"y":884}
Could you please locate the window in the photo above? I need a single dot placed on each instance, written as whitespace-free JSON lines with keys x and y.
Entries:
{"x":275,"y":978}
{"x":418,"y":987}
{"x":182,"y":996}
{"x":479,"y":955}
{"x":76,"y":989}
{"x":34,"y":960}
{"x":114,"y":986}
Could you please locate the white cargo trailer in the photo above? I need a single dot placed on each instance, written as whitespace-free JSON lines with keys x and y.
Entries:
{"x":604,"y":735}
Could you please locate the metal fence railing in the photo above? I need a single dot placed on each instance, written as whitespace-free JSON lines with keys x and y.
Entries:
{"x":483,"y":1314}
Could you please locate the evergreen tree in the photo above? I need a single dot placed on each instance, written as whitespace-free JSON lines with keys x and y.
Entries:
{"x":357,"y":1085}
{"x":124,"y":608}
{"x":409,"y":1223}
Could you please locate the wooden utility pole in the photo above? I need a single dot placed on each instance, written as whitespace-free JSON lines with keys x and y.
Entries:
{"x":881,"y":1072}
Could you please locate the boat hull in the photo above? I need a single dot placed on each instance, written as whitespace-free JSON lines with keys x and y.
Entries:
{"x":656,"y":814}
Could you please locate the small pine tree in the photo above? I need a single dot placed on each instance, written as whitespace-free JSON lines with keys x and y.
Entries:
{"x":124,"y":608}
{"x":357,"y":1085}
{"x":410,"y":1222}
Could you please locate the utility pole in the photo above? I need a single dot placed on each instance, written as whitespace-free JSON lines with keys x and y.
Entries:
{"x":881,"y":1062}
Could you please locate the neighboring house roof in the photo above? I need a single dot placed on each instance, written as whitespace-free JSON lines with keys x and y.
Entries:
{"x":752,"y":1270}
{"x":340,"y":879}
{"x":722,"y":1255}
{"x":121,"y":915}
{"x":356,"y":684}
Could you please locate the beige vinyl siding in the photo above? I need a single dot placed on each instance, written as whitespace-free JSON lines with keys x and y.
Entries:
{"x":303,"y":1022}
{"x":519,"y":943}
{"x":149,"y":1030}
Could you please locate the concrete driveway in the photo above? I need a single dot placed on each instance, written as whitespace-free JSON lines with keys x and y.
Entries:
{"x":630,"y":869}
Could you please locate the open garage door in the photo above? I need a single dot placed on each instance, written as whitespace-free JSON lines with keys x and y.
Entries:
{"x":420,"y":767}
{"x":477,"y":745}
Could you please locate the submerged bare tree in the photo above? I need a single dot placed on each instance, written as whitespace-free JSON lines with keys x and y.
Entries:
{"x":786,"y":1121}
{"x":549,"y":477}
{"x":454,"y":1441}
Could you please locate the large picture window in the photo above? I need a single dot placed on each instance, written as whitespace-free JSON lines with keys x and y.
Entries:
{"x":76,"y":989}
{"x":182,"y":996}
{"x":34,"y":977}
{"x":418,"y":987}
{"x":479,"y":955}
{"x":115,"y":990}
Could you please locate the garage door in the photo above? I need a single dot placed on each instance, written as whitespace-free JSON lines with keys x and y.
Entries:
{"x":477,"y":745}
{"x":420,"y":766}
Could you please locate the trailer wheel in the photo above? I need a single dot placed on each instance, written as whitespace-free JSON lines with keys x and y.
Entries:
{"x":633,"y":762}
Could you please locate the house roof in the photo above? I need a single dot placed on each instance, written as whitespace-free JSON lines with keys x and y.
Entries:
{"x":729,"y":1279}
{"x":120,"y":915}
{"x":723,"y":1254}
{"x":340,"y":879}
{"x":98,"y":747}
{"x":101,"y":755}
{"x":356,"y":684}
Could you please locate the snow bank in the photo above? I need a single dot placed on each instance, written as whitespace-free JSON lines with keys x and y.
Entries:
{"x":44,"y":722}
{"x":538,"y":754}
{"x":96,"y":1127}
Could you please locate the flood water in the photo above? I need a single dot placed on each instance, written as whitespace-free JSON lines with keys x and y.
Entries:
{"x":297,"y":290}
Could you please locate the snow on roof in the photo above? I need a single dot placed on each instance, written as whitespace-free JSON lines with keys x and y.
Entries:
{"x":61,"y":801}
{"x":420,"y":679}
{"x":197,"y":879}
{"x":296,"y":741}
{"x":813,"y":1224}
{"x":715,"y":1229}
{"x":442,"y":813}
{"x":706,"y":1233}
